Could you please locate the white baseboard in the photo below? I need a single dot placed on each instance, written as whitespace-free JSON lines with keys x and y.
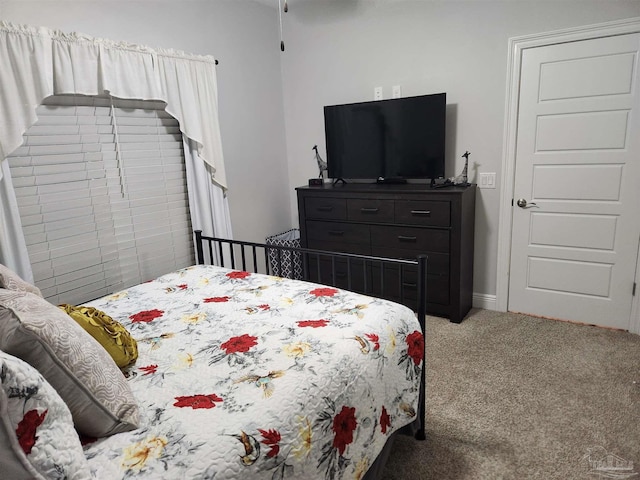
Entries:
{"x":482,"y":300}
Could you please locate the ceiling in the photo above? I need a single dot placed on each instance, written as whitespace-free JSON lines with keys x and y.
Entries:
{"x":269,"y":3}
{"x":274,"y":3}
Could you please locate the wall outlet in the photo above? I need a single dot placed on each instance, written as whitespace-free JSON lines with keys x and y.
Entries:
{"x":377,"y":93}
{"x":487,"y":180}
{"x":396,"y":91}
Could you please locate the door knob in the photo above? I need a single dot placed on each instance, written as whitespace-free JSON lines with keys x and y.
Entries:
{"x":522,"y":203}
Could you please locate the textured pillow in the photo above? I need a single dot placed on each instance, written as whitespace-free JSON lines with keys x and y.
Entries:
{"x":11,"y":281}
{"x":37,"y":438}
{"x":81,"y":371}
{"x":115,"y":339}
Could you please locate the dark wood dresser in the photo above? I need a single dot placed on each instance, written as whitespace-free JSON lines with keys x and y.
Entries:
{"x":398,"y":221}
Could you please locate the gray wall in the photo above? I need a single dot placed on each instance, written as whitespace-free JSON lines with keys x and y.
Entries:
{"x":243,"y":35}
{"x":338,"y":51}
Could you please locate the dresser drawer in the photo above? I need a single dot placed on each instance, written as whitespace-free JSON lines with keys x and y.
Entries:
{"x":336,"y":246}
{"x":437,"y":263}
{"x":329,"y":208}
{"x":391,"y":285}
{"x":338,"y":232}
{"x":370,"y":210}
{"x":423,"y":212}
{"x":408,"y":238}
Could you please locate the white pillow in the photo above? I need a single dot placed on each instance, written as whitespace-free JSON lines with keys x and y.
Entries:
{"x":37,"y":438}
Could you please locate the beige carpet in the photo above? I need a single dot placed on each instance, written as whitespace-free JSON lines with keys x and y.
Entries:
{"x":517,"y":397}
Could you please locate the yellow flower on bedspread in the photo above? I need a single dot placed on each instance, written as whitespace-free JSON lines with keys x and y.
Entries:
{"x":305,"y":433}
{"x":117,"y":296}
{"x":391,"y":346}
{"x":194,"y":317}
{"x":361,"y":468}
{"x":297,"y":350}
{"x":136,"y":455}
{"x":185,"y":360}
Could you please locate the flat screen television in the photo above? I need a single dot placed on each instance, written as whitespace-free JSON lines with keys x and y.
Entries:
{"x":400,"y":138}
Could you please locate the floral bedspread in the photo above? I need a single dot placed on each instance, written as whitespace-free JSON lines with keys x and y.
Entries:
{"x":243,"y":375}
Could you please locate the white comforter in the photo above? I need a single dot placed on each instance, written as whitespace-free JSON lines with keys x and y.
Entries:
{"x":249,"y":376}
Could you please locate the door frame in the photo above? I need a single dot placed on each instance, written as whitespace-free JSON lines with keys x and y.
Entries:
{"x":505,"y":223}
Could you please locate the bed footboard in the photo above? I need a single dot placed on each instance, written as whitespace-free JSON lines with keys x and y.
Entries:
{"x":361,"y":273}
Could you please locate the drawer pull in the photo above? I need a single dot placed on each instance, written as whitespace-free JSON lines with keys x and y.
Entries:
{"x":409,"y":285}
{"x":403,"y":238}
{"x":369,"y":210}
{"x":420,"y":212}
{"x":328,"y":208}
{"x":336,"y":233}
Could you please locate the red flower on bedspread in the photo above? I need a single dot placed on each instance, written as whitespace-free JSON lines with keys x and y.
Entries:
{"x":216,"y":299}
{"x":198,"y":401}
{"x":272,"y":439}
{"x":146,"y":316}
{"x":183,"y":286}
{"x":239,"y":344}
{"x":149,"y":369}
{"x":238,"y":275}
{"x":375,"y":339}
{"x":313,"y":323}
{"x":344,"y":423}
{"x":26,"y":431}
{"x":385,"y":420}
{"x":415,"y":344}
{"x":324,"y":292}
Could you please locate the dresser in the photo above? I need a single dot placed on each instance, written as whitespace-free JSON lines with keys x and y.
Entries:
{"x":397,"y":221}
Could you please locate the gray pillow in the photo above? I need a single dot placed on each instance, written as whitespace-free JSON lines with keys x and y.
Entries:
{"x":37,"y":438}
{"x":11,"y":281}
{"x":76,"y":365}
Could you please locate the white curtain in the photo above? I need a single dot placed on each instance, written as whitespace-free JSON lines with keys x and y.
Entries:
{"x":13,"y":250}
{"x":38,"y":62}
{"x":208,"y":206}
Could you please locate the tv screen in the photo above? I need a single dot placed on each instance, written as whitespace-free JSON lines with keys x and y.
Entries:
{"x":401,"y":138}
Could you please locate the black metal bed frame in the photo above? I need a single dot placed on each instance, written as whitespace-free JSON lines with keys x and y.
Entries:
{"x":256,"y":257}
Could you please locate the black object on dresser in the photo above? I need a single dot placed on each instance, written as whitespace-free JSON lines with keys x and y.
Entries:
{"x":397,"y":221}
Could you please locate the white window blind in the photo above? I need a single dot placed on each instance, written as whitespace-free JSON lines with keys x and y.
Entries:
{"x":101,"y":190}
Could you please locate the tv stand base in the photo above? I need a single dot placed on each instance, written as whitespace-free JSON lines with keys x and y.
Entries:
{"x":390,"y":181}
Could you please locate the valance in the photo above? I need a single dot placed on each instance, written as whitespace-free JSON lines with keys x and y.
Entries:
{"x":38,"y":62}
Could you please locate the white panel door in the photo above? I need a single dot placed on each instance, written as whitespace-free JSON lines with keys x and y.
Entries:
{"x":575,"y":241}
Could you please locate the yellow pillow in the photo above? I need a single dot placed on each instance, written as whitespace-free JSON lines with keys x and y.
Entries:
{"x":116,"y":340}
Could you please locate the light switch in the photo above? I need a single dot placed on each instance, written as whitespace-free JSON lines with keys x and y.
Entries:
{"x":487,"y":180}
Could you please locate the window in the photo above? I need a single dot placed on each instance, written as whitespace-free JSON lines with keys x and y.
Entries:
{"x":101,"y":189}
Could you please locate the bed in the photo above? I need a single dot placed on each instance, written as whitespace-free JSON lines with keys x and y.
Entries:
{"x":242,"y":374}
